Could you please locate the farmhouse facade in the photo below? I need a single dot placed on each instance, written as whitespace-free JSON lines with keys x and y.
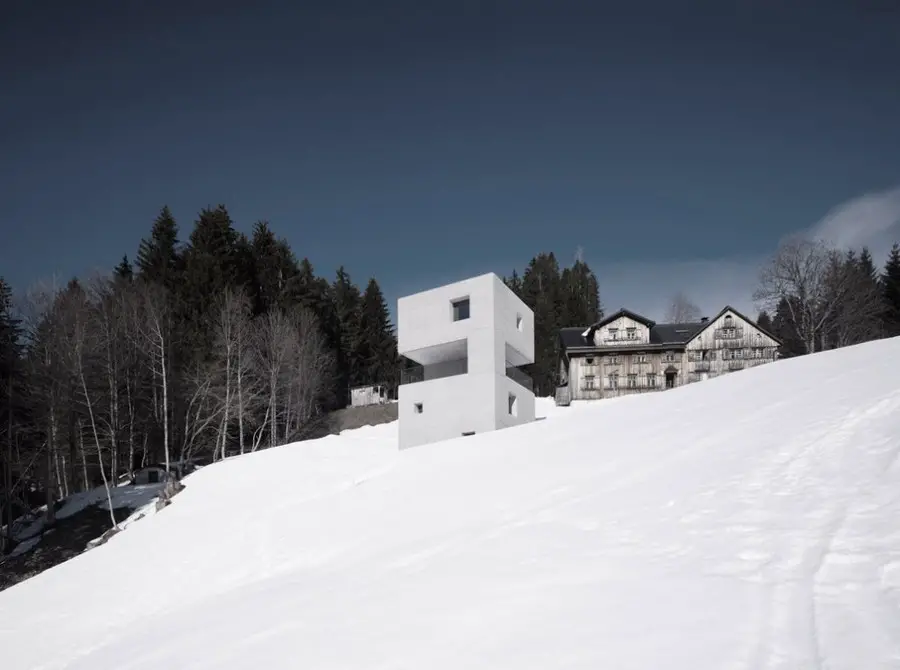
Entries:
{"x":627,"y":353}
{"x":467,"y":340}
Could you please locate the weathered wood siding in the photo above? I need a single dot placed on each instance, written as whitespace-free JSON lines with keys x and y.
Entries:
{"x":612,"y":375}
{"x":616,"y":333}
{"x":728,"y":344}
{"x":581,"y":368}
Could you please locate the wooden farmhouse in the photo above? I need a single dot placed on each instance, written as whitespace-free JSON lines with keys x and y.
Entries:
{"x":627,"y":353}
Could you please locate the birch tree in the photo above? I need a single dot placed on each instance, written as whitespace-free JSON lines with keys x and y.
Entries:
{"x":232,"y":362}
{"x":274,"y":346}
{"x":84,"y":340}
{"x":155,"y":333}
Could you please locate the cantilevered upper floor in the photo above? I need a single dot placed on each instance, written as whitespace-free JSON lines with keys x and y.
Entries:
{"x":478,"y":323}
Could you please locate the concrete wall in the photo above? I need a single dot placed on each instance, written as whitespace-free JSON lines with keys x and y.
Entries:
{"x":450,"y":407}
{"x":427,"y":333}
{"x":505,"y":386}
{"x":499,"y":332}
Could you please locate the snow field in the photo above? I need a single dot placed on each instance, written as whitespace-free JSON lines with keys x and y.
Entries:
{"x":749,"y":521}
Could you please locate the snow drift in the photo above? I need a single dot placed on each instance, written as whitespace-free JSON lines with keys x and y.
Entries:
{"x":750,"y":521}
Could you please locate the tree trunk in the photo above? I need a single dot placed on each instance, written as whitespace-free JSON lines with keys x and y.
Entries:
{"x":90,"y":409}
{"x":130,"y":402}
{"x":87,"y":482}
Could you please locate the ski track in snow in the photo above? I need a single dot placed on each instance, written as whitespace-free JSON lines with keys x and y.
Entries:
{"x":747,"y":523}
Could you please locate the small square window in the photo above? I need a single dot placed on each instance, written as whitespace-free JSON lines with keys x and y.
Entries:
{"x":460,"y":309}
{"x":519,"y":322}
{"x":417,"y":408}
{"x":513,"y":405}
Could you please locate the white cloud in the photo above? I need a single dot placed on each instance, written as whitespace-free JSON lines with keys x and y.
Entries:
{"x":871,"y":220}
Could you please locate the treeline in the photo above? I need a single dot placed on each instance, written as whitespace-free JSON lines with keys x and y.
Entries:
{"x":559,"y":299}
{"x":816,"y":297}
{"x":218,"y":345}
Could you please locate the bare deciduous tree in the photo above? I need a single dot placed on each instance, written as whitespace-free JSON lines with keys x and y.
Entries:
{"x":232,"y":365}
{"x":202,"y":410}
{"x":83,"y":342}
{"x":682,"y":309}
{"x":825,"y":299}
{"x":293,"y":363}
{"x":798,"y":274}
{"x":274,"y":346}
{"x":45,"y":370}
{"x":310,"y":367}
{"x":155,"y":333}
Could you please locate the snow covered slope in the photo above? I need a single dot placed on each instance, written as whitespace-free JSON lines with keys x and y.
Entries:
{"x":751,"y":521}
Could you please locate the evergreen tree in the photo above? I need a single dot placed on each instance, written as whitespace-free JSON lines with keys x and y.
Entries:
{"x":314,"y":293}
{"x":211,"y":264}
{"x":867,"y":265}
{"x":347,"y":305}
{"x":542,"y":293}
{"x":274,"y":266}
{"x":890,"y":290}
{"x":376,"y":348}
{"x":123,"y":271}
{"x":157,"y":258}
{"x":580,"y":296}
{"x":791,"y":342}
{"x":764,"y":321}
{"x":514,"y":283}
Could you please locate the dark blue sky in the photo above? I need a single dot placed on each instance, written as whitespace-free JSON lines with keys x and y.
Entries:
{"x":425,"y":141}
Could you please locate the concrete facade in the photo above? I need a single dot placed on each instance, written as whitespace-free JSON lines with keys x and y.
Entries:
{"x":468,"y":340}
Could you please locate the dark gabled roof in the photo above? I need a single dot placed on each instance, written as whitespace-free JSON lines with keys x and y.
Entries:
{"x":729,"y":308}
{"x":661,"y":334}
{"x":571,"y":338}
{"x":675,"y":333}
{"x":634,"y":316}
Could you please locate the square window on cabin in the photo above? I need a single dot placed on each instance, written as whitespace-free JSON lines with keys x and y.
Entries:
{"x":460,"y":309}
{"x":417,"y":408}
{"x":513,"y":405}
{"x":613,"y":333}
{"x":629,"y":333}
{"x":589,"y":382}
{"x":651,"y":380}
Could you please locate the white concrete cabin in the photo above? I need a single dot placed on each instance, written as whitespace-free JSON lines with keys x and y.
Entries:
{"x":468,"y":340}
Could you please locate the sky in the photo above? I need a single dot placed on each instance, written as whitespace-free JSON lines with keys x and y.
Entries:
{"x":674,"y":144}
